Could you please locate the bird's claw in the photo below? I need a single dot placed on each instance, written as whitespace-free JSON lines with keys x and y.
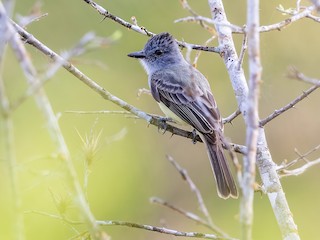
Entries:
{"x":194,"y":136}
{"x":162,"y":124}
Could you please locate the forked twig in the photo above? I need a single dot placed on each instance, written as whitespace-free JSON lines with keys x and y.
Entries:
{"x":284,"y":170}
{"x":185,"y":176}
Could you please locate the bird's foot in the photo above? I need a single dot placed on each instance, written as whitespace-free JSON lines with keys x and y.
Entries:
{"x":162,"y":124}
{"x":194,"y":136}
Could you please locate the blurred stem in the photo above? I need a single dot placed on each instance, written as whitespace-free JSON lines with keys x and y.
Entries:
{"x":10,"y":158}
{"x":8,"y":132}
{"x":52,"y":122}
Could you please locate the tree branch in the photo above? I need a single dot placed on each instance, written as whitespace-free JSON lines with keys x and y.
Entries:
{"x":140,"y":226}
{"x":290,"y":105}
{"x":266,"y":166}
{"x":285,"y":172}
{"x":300,"y":170}
{"x":185,"y":176}
{"x":156,"y":121}
{"x":249,"y":161}
{"x":294,"y":73}
{"x":230,"y":118}
{"x":288,"y":21}
{"x":161,"y":230}
{"x":199,"y":18}
{"x":183,"y":212}
{"x":143,"y":30}
{"x":306,"y":13}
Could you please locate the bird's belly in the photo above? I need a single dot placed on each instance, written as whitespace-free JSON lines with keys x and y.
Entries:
{"x":171,"y":114}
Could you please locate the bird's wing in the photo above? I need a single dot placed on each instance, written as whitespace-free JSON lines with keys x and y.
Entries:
{"x":192,"y":101}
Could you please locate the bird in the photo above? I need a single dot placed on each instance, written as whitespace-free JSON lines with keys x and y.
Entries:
{"x":184,"y":95}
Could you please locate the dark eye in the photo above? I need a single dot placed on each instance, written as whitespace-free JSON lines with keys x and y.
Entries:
{"x":158,"y":52}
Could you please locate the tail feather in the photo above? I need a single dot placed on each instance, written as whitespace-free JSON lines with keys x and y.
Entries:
{"x":225,"y":184}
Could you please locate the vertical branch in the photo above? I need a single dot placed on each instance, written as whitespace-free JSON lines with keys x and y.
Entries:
{"x":10,"y":158}
{"x":266,"y":166}
{"x":8,"y":136}
{"x":229,"y":54}
{"x":252,"y":123}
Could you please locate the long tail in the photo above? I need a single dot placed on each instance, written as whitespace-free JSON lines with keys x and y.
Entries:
{"x":225,"y":184}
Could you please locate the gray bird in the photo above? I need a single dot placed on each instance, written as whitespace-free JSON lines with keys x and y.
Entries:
{"x":184,"y":95}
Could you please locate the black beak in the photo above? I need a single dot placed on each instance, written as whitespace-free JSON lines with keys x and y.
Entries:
{"x":139,"y":54}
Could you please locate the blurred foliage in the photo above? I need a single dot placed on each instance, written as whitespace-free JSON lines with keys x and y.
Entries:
{"x":129,"y":164}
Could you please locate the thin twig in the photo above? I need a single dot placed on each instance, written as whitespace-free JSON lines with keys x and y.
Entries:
{"x":193,"y":188}
{"x":34,"y":15}
{"x":100,"y":112}
{"x":300,"y":170}
{"x":196,"y":58}
{"x":298,"y":5}
{"x":160,"y":229}
{"x":306,"y":13}
{"x":54,"y":216}
{"x":143,"y":91}
{"x":230,"y":118}
{"x":186,"y":5}
{"x":284,"y":168}
{"x":24,"y":21}
{"x":234,"y":28}
{"x":183,"y":212}
{"x":314,"y":18}
{"x":44,"y":78}
{"x":288,"y":21}
{"x":295,"y":73}
{"x":17,"y":222}
{"x":290,"y":105}
{"x":243,"y":51}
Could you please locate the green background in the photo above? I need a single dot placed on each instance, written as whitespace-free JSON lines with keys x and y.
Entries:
{"x":131,"y":166}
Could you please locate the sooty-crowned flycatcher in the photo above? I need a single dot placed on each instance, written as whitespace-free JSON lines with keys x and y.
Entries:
{"x":184,"y":95}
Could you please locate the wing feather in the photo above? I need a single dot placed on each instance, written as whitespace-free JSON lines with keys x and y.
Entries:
{"x":193,"y":103}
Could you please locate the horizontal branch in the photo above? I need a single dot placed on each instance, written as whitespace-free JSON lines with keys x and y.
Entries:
{"x":100,"y":112}
{"x":306,"y":13}
{"x":153,"y":120}
{"x":160,"y":230}
{"x":278,"y":26}
{"x":136,"y":225}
